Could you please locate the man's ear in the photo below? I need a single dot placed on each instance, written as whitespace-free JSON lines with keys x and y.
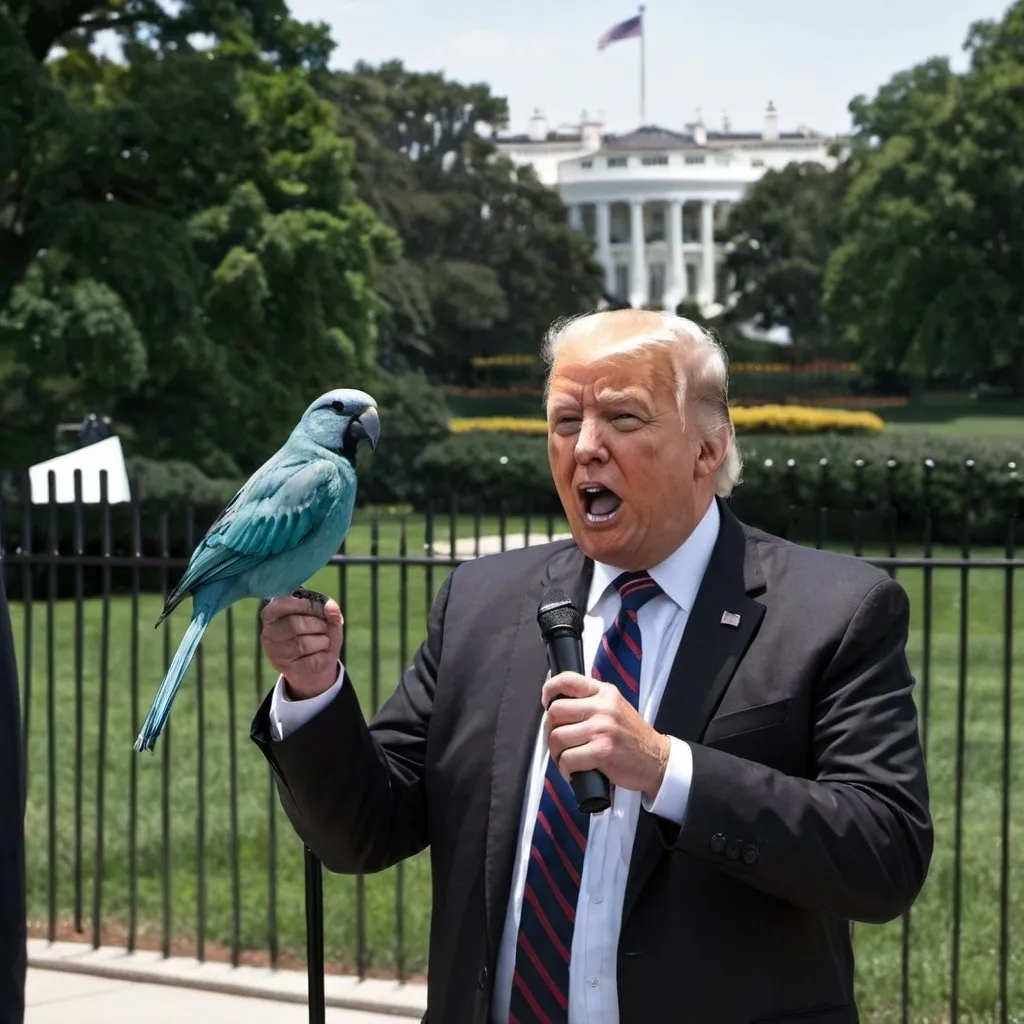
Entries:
{"x":711,"y":453}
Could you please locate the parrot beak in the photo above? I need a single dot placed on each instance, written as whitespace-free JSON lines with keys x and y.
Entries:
{"x":365,"y":427}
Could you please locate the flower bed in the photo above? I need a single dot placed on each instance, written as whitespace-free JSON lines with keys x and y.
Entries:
{"x":760,"y":419}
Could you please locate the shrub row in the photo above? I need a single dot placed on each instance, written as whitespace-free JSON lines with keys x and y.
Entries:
{"x":881,"y":486}
{"x":884,"y":485}
{"x":906,"y":485}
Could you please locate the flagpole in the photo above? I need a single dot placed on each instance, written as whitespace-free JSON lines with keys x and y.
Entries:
{"x":643,"y":69}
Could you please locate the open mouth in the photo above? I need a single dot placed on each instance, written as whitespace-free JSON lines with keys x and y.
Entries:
{"x":600,"y":504}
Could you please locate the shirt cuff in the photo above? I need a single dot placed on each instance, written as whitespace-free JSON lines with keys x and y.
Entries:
{"x":287,"y":715}
{"x":674,"y":794}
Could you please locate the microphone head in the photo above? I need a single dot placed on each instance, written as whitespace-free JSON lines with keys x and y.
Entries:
{"x":556,"y":612}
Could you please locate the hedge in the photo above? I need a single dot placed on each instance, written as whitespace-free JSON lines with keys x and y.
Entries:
{"x":889,"y":486}
{"x":883,"y":487}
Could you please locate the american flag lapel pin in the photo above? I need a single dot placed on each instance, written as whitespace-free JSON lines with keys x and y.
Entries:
{"x":730,"y":619}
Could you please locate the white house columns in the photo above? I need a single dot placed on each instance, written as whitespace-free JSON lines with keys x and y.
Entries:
{"x":707,"y":253}
{"x":666,"y":233}
{"x":676,"y":287}
{"x":603,"y":226}
{"x":637,"y":256}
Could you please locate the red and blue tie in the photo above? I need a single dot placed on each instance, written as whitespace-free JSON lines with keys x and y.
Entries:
{"x":540,"y":984}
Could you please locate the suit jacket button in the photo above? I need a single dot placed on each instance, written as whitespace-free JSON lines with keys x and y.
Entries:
{"x":481,"y":978}
{"x":749,"y":853}
{"x":732,"y":851}
{"x":717,"y":842}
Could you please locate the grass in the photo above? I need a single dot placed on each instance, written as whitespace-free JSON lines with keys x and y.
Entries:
{"x":988,"y":419}
{"x":209,"y":842}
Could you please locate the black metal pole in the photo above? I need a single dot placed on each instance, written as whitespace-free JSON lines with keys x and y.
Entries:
{"x":315,"y":937}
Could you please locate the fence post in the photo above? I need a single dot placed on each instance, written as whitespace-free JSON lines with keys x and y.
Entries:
{"x":315,"y":937}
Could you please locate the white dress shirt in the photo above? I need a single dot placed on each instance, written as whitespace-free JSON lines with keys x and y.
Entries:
{"x":592,"y":992}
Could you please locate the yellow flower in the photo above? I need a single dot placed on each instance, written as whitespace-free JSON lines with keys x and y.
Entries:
{"x":800,"y":419}
{"x":511,"y":424}
{"x":778,"y":419}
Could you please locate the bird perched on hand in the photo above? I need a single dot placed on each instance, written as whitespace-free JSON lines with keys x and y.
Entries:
{"x":281,"y":528}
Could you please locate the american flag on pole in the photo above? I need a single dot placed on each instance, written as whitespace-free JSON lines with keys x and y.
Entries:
{"x":631,"y":28}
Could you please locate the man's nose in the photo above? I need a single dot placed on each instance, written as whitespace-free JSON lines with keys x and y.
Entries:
{"x":590,"y":443}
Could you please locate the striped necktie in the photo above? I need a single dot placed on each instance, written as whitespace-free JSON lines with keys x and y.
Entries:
{"x":540,"y":984}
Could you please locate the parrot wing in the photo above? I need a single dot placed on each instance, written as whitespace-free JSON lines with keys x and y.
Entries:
{"x":276,"y":509}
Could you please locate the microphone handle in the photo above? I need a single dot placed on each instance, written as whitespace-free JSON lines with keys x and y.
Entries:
{"x":565,"y":654}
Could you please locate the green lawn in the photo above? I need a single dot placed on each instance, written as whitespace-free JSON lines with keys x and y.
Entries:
{"x":989,"y":419}
{"x":376,"y":671}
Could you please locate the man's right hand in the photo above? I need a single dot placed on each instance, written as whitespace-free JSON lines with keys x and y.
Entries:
{"x":303,"y":647}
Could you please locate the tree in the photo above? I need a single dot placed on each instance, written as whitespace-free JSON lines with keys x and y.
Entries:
{"x":175,"y":225}
{"x":780,"y":236}
{"x":928,"y":276}
{"x":489,"y":258}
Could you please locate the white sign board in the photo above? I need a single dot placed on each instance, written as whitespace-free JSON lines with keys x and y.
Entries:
{"x":106,"y":454}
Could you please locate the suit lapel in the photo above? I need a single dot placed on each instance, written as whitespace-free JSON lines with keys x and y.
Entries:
{"x":515,"y":737}
{"x":707,"y":658}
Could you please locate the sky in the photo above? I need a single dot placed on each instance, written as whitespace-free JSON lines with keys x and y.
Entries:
{"x":722,"y":58}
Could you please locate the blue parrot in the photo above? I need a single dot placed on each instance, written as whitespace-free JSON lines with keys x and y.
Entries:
{"x":281,"y":528}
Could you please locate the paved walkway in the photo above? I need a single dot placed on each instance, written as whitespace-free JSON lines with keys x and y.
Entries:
{"x":490,"y":544}
{"x":109,"y":986}
{"x":57,"y":997}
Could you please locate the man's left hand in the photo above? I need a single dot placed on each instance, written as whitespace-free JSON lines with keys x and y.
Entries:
{"x":600,"y":729}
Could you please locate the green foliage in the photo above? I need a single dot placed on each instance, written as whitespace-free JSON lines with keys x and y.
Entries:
{"x":414,"y":416}
{"x":490,"y":469}
{"x":176,"y":227}
{"x":725,"y":326}
{"x":174,"y":484}
{"x":780,"y":236}
{"x":786,"y":500}
{"x":489,"y":256}
{"x":927,"y":277}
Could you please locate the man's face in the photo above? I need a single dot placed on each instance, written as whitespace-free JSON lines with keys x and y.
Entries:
{"x":633,"y":478}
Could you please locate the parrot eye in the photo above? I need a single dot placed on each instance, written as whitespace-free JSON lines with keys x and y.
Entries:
{"x":338,"y":406}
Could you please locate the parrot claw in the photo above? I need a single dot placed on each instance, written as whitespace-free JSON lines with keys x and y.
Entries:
{"x":316,"y":600}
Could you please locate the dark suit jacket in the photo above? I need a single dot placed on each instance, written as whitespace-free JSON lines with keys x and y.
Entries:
{"x":808,"y":807}
{"x":12,"y":832}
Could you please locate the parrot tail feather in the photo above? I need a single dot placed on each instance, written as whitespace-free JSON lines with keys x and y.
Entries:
{"x":161,"y":706}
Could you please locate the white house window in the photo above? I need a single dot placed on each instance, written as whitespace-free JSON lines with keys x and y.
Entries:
{"x":656,"y":283}
{"x":691,"y":278}
{"x":616,"y":161}
{"x":694,"y":160}
{"x":656,"y":226}
{"x":586,"y":164}
{"x":655,"y":161}
{"x":621,"y":281}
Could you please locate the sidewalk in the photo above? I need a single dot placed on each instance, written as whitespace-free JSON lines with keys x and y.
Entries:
{"x":56,"y":997}
{"x":111,"y":985}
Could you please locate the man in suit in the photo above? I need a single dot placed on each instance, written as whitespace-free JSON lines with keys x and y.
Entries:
{"x":12,"y":832}
{"x":749,"y":701}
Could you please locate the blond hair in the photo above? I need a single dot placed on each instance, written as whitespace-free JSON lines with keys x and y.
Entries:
{"x":700,"y":365}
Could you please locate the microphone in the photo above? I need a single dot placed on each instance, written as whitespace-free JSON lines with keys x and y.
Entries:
{"x":561,"y":627}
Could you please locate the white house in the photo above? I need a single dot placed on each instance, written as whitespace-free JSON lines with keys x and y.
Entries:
{"x":654,"y":198}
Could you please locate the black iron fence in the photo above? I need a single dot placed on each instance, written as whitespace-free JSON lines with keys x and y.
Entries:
{"x":186,"y":851}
